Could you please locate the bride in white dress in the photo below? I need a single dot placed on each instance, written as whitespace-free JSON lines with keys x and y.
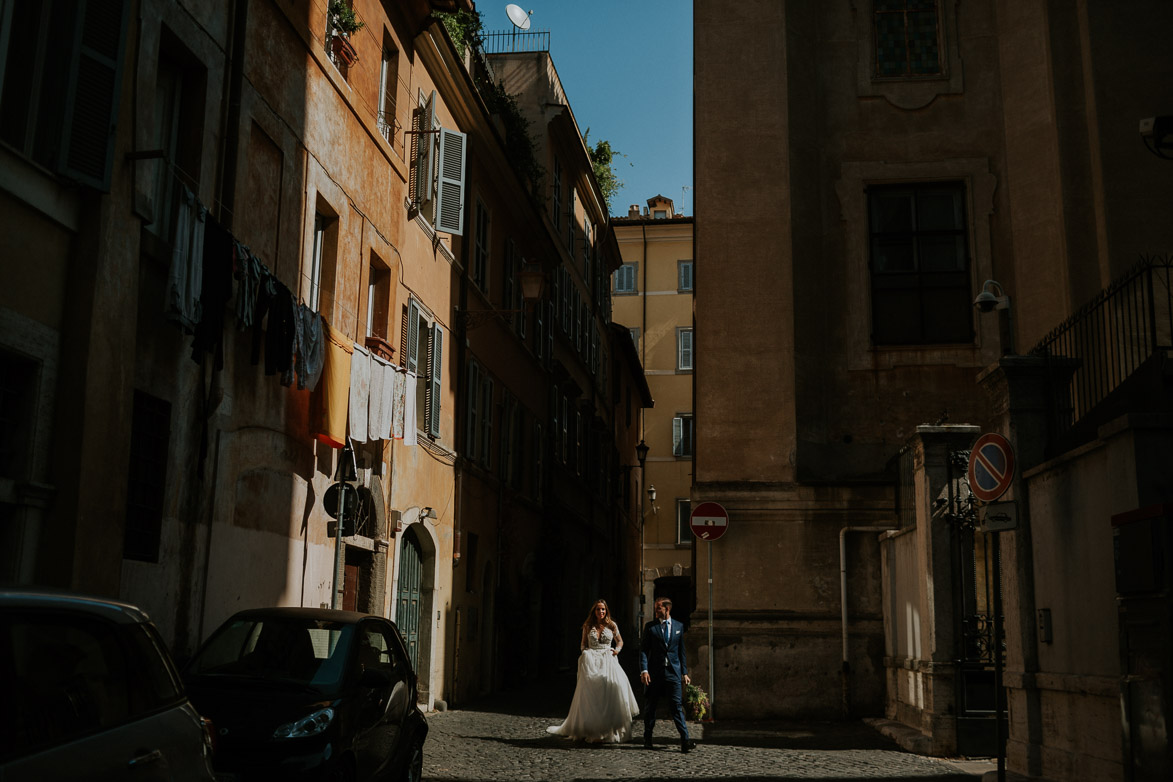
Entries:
{"x":603,"y":705}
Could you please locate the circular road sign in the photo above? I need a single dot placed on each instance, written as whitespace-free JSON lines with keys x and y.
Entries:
{"x":333,"y":494}
{"x":709,"y":520}
{"x":991,"y":467}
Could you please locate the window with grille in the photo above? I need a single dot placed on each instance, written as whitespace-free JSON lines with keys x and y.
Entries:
{"x":920,"y":276}
{"x":625,"y":278}
{"x":683,"y":530}
{"x":683,"y":433}
{"x":684,"y":275}
{"x":684,"y":349}
{"x":907,"y":38}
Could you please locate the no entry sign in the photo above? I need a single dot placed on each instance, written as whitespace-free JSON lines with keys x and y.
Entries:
{"x":709,"y":520}
{"x":991,"y":467}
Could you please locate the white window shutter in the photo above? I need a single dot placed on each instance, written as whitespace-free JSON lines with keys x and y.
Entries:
{"x":677,"y":435}
{"x":437,"y":368}
{"x":450,"y":183}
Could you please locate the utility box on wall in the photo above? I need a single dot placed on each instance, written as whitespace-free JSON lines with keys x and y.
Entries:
{"x":1143,"y":550}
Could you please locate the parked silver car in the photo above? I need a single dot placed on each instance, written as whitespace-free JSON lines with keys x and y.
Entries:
{"x":91,"y":692}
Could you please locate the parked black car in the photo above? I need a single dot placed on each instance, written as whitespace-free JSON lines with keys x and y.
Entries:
{"x":307,"y":693}
{"x":90,"y":693}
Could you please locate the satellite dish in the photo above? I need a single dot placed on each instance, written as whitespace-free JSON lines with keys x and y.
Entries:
{"x":518,"y":16}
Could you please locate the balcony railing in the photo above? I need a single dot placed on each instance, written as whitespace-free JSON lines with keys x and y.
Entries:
{"x":1108,"y":340}
{"x":514,"y":41}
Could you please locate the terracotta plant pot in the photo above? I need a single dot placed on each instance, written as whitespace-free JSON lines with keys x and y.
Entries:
{"x":343,"y":49}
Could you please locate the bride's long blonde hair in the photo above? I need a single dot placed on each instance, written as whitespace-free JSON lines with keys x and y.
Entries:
{"x":593,"y":622}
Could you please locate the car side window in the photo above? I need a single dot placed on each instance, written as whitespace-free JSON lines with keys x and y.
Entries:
{"x":378,"y":650}
{"x":156,"y":684}
{"x":71,"y":679}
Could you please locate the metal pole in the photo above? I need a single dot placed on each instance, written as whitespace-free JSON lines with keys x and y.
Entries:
{"x":999,"y":716}
{"x":338,"y":584}
{"x":712,"y":699}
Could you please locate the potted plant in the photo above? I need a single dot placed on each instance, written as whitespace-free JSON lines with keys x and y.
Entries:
{"x":696,"y":703}
{"x":343,"y":22}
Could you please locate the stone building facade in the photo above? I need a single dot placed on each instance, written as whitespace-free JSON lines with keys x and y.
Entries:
{"x":883,"y":166}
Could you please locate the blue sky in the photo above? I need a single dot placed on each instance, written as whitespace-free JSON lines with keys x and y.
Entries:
{"x":627,"y":70}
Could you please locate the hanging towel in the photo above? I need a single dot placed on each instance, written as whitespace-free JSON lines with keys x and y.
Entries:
{"x":409,"y":434}
{"x":360,"y":393}
{"x":266,"y":297}
{"x":388,"y":401}
{"x":309,"y":358}
{"x":378,"y":412}
{"x":398,"y":403}
{"x":185,"y":278}
{"x":328,"y":402}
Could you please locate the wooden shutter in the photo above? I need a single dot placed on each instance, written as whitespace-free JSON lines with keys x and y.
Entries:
{"x":487,"y":422}
{"x":425,"y":153}
{"x":436,"y":349}
{"x":470,"y":416}
{"x":92,"y":91}
{"x":412,"y":331}
{"x":450,"y":196}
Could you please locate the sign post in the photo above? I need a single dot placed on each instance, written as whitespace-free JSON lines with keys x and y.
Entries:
{"x":991,"y":471}
{"x":709,"y":521}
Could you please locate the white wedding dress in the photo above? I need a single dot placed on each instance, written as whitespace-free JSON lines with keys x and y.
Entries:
{"x":603,"y":705}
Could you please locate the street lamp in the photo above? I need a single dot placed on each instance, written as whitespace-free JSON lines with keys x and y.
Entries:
{"x":641,"y":453}
{"x":652,"y":499}
{"x":532,"y":279}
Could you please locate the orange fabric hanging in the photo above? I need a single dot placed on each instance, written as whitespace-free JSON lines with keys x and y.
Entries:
{"x":330,"y":399}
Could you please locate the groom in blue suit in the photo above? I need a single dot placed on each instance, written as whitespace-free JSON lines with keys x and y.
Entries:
{"x":664,"y":671}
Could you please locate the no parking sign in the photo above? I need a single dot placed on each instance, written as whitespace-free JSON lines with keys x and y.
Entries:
{"x":991,"y":467}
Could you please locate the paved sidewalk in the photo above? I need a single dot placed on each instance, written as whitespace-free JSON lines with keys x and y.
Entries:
{"x":504,"y":738}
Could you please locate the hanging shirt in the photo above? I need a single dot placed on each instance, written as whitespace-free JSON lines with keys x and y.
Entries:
{"x":185,"y":278}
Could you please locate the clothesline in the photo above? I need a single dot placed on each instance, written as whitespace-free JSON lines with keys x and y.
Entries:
{"x":209,"y":265}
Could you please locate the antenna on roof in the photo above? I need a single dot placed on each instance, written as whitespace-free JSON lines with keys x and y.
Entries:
{"x":518,"y":16}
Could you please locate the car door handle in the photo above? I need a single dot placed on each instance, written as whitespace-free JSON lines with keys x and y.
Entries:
{"x":154,"y":756}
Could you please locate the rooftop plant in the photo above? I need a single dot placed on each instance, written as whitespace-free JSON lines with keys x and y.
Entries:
{"x":343,"y":18}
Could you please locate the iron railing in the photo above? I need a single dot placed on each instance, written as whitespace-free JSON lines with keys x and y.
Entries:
{"x":514,"y":41}
{"x":1109,"y":339}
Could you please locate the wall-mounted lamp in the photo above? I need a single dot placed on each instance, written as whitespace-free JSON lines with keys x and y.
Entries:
{"x":641,"y":453}
{"x":988,"y":301}
{"x":532,"y":279}
{"x":652,"y":499}
{"x":428,"y":513}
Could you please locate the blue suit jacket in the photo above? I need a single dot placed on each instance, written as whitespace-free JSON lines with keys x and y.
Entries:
{"x":663,"y":658}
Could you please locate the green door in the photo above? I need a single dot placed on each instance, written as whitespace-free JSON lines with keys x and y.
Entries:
{"x":411,"y":568}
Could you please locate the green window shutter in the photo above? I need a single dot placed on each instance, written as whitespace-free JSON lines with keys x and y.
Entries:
{"x":450,"y":183}
{"x":91,"y":92}
{"x":413,"y":318}
{"x":436,"y":346}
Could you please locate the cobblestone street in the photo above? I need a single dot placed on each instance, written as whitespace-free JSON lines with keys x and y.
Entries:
{"x":504,"y":738}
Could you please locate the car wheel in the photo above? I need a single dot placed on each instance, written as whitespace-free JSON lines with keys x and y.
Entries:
{"x":415,"y":764}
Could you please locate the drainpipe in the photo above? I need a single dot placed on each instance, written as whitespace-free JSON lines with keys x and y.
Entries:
{"x":845,"y":672}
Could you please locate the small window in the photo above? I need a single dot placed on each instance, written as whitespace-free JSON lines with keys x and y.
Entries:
{"x":660,"y":214}
{"x":388,"y":81}
{"x":684,"y":275}
{"x":683,"y":433}
{"x":480,"y":261}
{"x":625,"y":278}
{"x":557,"y":202}
{"x":684,"y":350}
{"x":920,"y":277}
{"x":907,"y":38}
{"x":683,"y":529}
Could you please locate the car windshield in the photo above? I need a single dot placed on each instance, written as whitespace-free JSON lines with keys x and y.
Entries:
{"x":308,"y":651}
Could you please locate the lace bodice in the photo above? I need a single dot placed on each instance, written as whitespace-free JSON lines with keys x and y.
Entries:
{"x":597,"y":643}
